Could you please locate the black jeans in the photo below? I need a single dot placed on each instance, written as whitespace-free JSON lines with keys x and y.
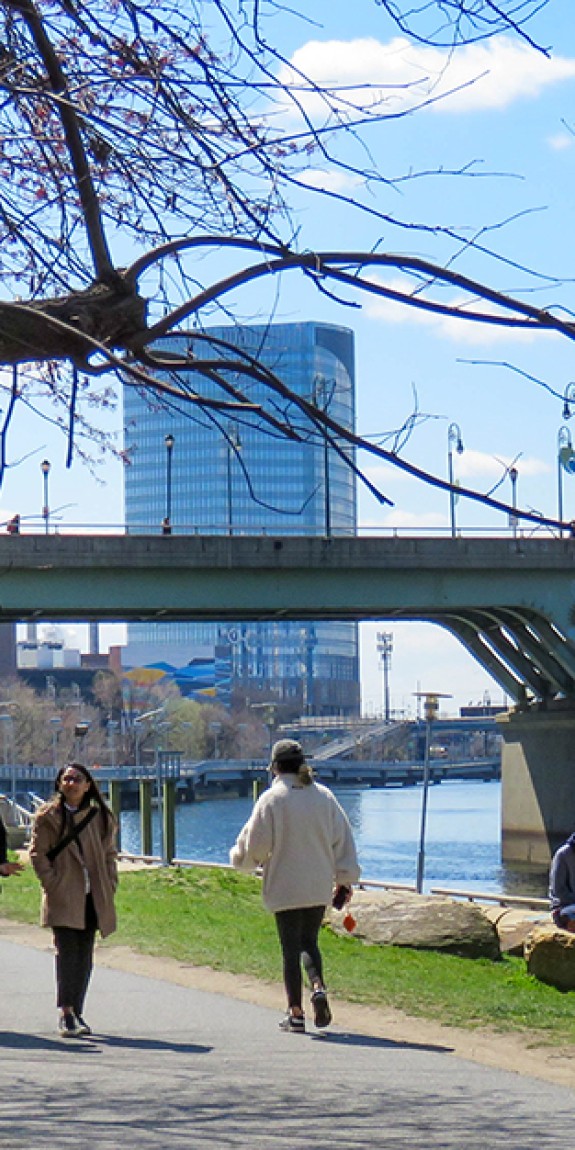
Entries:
{"x":74,"y":960}
{"x":298,"y":932}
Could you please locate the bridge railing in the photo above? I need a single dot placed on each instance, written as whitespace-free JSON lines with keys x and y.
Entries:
{"x":36,"y":526}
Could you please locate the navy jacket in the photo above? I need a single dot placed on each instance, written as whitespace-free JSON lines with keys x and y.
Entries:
{"x":562,"y":875}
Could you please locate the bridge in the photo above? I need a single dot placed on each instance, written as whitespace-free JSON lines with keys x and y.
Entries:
{"x":510,"y":601}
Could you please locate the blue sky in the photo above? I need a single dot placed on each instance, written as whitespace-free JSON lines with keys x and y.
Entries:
{"x":501,"y":113}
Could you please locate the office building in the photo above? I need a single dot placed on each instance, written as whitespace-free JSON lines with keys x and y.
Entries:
{"x":221,"y":472}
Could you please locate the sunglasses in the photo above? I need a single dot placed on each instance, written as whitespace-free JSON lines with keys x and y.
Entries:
{"x":75,"y":778}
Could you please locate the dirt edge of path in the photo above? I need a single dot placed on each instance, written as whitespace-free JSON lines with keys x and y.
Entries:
{"x":513,"y":1052}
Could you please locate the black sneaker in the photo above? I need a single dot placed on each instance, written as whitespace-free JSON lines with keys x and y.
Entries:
{"x":293,"y":1024}
{"x":83,"y":1027}
{"x":321,"y":1011}
{"x":68,"y":1026}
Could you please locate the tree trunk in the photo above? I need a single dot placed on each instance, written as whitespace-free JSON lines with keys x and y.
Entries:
{"x":53,"y":329}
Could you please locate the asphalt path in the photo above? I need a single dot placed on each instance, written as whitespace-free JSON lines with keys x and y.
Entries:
{"x":173,"y":1067}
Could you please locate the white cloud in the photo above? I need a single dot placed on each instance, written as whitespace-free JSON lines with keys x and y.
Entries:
{"x":329,"y":181}
{"x":561,"y":142}
{"x":399,"y":75}
{"x":478,"y":464}
{"x":409,"y":520}
{"x":460,"y":330}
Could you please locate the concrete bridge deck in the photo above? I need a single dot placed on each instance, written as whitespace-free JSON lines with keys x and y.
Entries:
{"x":509,"y":601}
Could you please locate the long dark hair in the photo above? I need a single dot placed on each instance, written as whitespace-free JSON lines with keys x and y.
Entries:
{"x":92,"y":795}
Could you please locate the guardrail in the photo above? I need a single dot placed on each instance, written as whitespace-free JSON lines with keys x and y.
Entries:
{"x":512,"y":900}
{"x":36,"y":526}
{"x":505,"y":900}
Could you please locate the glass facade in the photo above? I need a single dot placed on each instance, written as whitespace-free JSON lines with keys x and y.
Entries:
{"x":238,"y":474}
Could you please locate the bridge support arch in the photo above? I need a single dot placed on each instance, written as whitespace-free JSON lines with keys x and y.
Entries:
{"x":538,"y":782}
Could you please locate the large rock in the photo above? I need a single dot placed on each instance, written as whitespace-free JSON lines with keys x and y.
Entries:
{"x":425,"y":922}
{"x":514,"y":926}
{"x":550,"y":955}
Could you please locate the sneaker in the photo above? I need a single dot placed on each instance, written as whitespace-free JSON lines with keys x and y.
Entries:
{"x":321,"y":1011}
{"x":83,"y":1027}
{"x":293,"y":1023}
{"x":68,"y":1026}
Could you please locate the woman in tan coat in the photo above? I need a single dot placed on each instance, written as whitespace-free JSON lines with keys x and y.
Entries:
{"x":73,"y":852}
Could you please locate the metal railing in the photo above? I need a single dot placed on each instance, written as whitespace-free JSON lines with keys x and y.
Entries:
{"x":442,"y":530}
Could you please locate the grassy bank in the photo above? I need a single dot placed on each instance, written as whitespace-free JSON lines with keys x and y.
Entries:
{"x":215,"y":918}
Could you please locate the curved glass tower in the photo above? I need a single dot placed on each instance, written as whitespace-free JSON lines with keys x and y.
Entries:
{"x":239,"y":475}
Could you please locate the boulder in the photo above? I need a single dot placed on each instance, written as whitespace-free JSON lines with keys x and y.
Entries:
{"x":425,"y":922}
{"x":514,"y":926}
{"x":550,"y":956}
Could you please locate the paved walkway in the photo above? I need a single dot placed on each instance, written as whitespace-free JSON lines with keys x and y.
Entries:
{"x":176,"y":1068}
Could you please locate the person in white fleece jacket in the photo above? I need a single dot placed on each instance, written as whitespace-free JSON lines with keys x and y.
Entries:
{"x":301,"y":837}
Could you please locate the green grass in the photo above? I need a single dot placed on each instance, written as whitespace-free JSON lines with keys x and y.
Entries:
{"x":215,"y":918}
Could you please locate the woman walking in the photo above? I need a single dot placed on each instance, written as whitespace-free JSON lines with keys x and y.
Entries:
{"x":73,"y":853}
{"x":301,"y":837}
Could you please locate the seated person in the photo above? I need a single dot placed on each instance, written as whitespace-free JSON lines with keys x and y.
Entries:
{"x":562,"y":885}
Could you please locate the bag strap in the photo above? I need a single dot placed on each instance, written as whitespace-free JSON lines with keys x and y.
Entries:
{"x":72,"y":835}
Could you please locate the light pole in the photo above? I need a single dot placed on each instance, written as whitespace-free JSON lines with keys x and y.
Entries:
{"x":513,"y":475}
{"x":112,"y":727}
{"x":320,"y":391}
{"x":565,"y":462}
{"x":45,"y":469}
{"x":384,"y":650}
{"x":430,"y":709}
{"x":568,"y":400}
{"x":80,"y":731}
{"x":454,"y":440}
{"x":233,"y":445}
{"x":215,"y":728}
{"x":6,"y":721}
{"x":55,"y":723}
{"x":169,"y":441}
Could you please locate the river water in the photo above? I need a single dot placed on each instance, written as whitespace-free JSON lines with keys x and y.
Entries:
{"x":462,"y":841}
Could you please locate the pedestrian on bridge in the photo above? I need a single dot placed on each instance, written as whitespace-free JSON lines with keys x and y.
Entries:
{"x":73,"y":851}
{"x":301,"y":837}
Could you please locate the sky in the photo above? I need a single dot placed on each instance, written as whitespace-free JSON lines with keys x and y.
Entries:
{"x":491,"y":153}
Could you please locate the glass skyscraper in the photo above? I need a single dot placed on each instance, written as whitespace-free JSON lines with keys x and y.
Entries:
{"x":235,"y":473}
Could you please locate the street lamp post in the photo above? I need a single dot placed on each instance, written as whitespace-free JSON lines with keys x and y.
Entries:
{"x":454,"y":440}
{"x":169,"y":441}
{"x":45,"y":469}
{"x":513,"y":475}
{"x":215,"y":728}
{"x":6,"y":721}
{"x":55,"y":723}
{"x":565,"y":462}
{"x":568,"y":400}
{"x":112,"y":727}
{"x":430,"y":709}
{"x":384,"y":649}
{"x":80,"y":731}
{"x":320,"y":396}
{"x":233,"y":446}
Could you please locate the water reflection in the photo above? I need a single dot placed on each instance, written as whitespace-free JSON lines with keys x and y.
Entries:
{"x":462,"y":840}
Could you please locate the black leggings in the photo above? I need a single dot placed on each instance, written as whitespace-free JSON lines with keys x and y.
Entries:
{"x":74,"y":960}
{"x":298,"y":930}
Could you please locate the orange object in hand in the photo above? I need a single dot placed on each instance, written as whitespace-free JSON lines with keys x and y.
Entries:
{"x":349,"y":922}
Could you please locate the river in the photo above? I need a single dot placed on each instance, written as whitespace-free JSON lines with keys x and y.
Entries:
{"x":462,"y":842}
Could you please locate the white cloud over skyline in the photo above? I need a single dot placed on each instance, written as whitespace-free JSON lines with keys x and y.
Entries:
{"x":398,"y":75}
{"x":461,"y":330}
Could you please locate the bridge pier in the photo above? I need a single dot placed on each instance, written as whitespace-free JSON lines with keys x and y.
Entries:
{"x":537,"y":782}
